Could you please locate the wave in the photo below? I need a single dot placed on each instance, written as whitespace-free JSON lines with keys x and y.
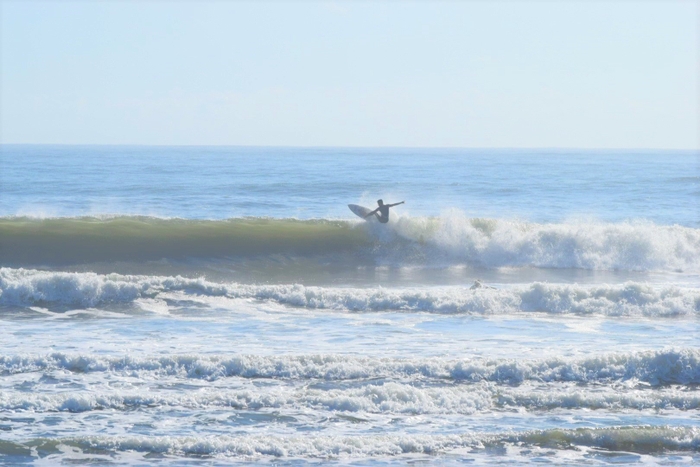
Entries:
{"x":630,"y":246}
{"x":387,"y":398}
{"x":637,"y":439}
{"x":655,"y":368}
{"x":449,"y":239}
{"x":26,"y":288}
{"x":88,"y":239}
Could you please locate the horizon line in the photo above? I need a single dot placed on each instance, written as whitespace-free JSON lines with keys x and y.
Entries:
{"x":261,"y":146}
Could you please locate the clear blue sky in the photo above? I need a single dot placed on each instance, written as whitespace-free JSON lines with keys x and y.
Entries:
{"x":589,"y":74}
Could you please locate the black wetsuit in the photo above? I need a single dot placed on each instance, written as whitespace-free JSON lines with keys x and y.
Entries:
{"x":383,"y":214}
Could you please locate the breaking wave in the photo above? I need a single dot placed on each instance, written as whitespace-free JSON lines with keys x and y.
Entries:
{"x":373,"y":398}
{"x":446,"y":240}
{"x":652,"y":367}
{"x":638,"y":439}
{"x":26,"y":287}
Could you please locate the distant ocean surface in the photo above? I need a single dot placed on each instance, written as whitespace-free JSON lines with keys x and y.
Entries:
{"x":222,"y":305}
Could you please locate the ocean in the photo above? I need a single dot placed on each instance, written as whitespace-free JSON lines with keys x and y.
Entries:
{"x":222,"y":305}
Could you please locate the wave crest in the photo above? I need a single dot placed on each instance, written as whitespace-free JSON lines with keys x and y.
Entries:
{"x":630,"y":246}
{"x":636,"y":439}
{"x":25,"y":287}
{"x":371,"y":398}
{"x":449,"y":239}
{"x":653,"y":367}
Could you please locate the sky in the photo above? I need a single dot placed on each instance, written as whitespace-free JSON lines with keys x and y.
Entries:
{"x":502,"y":74}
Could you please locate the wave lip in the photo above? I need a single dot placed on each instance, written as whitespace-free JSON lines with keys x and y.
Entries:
{"x":657,"y":368}
{"x":26,"y":287}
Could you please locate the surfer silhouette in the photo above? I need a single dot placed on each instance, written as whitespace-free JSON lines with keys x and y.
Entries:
{"x":382,"y":212}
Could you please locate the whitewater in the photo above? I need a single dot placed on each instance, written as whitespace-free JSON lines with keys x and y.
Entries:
{"x":221,"y":305}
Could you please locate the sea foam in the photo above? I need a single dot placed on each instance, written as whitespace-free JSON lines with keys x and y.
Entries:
{"x":592,"y":245}
{"x":659,"y":367}
{"x":635,"y":439}
{"x":23,"y":287}
{"x":373,"y":398}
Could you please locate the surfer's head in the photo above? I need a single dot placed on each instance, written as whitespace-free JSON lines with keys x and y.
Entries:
{"x":380,"y":202}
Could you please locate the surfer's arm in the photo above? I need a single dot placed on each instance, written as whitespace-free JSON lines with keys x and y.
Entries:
{"x":373,"y":212}
{"x":395,"y":204}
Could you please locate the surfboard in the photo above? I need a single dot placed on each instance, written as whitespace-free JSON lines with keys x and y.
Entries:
{"x":361,"y":211}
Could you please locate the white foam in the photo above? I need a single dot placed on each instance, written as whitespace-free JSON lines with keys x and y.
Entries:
{"x":23,"y":287}
{"x":653,"y":367}
{"x":641,"y":439}
{"x":491,"y":243}
{"x":374,"y":398}
{"x":308,"y":446}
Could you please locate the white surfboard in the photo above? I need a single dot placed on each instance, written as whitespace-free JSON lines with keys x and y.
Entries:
{"x":361,"y":211}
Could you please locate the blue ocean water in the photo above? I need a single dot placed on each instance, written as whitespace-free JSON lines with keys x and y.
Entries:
{"x":217,"y":305}
{"x":307,"y":183}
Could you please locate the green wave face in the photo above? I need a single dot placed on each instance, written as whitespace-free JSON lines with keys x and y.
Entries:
{"x":25,"y":241}
{"x":448,"y":240}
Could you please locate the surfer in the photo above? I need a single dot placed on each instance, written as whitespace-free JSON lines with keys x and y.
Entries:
{"x":382,"y":212}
